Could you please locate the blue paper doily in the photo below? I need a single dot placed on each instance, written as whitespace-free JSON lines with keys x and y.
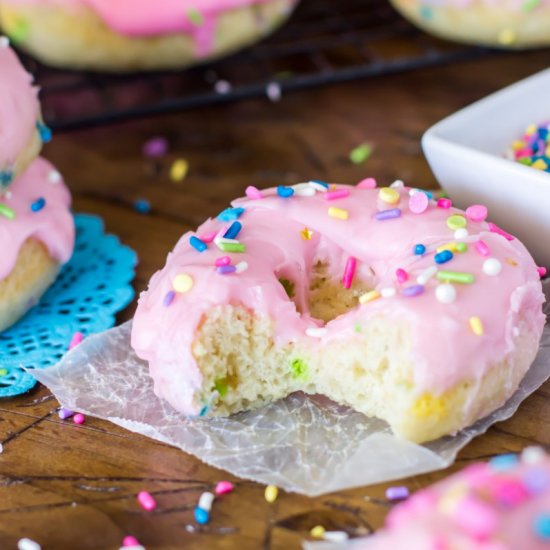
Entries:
{"x":91,"y":288}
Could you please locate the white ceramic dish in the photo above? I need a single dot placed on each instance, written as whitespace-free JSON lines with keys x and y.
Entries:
{"x":466,"y":153}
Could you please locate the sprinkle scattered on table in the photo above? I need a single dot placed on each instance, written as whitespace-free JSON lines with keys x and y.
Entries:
{"x":361,"y":153}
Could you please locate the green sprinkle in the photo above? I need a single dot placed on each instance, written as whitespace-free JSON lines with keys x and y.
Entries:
{"x":529,"y":5}
{"x":19,"y":31}
{"x":6,"y":211}
{"x":361,"y":153}
{"x":288,"y":286}
{"x":525,"y":160}
{"x":358,"y":328}
{"x":299,"y":368}
{"x":195,"y":16}
{"x":232,"y":247}
{"x":3,"y":372}
{"x":455,"y":277}
{"x":456,"y":221}
{"x":220,"y":385}
{"x":461,"y":247}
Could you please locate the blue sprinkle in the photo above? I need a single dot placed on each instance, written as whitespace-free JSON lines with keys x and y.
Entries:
{"x":233,"y":231}
{"x":323,"y":183}
{"x":6,"y":178}
{"x":201,"y":516}
{"x":443,"y":257}
{"x":142,"y":206}
{"x":226,"y":269}
{"x":419,"y":249}
{"x":230,"y":214}
{"x":390,"y":214}
{"x":285,"y":192}
{"x":169,"y":298}
{"x":505,"y":462}
{"x":426,"y":12}
{"x":429,"y":194}
{"x":203,"y":411}
{"x":197,"y":244}
{"x":38,"y":204}
{"x":414,"y":290}
{"x":44,"y":131}
{"x":541,"y":526}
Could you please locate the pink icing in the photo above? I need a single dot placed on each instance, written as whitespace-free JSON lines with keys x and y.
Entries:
{"x":489,"y":510}
{"x":146,"y":18}
{"x":52,"y":225}
{"x":445,"y":350}
{"x":19,"y":107}
{"x":513,"y":5}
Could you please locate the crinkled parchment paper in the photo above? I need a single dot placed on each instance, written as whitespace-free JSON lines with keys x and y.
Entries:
{"x":303,"y":444}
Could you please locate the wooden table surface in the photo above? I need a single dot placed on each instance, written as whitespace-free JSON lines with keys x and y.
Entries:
{"x":74,"y":487}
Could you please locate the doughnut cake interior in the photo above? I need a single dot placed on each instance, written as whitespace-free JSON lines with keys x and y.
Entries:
{"x":382,"y":299}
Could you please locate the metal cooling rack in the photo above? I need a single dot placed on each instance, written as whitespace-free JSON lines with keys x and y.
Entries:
{"x":325,"y":41}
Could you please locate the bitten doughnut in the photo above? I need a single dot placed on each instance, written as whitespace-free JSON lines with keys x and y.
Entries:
{"x":21,"y":127}
{"x":126,"y":35}
{"x":36,"y":238}
{"x":500,"y":505}
{"x":399,"y":306}
{"x":505,"y":23}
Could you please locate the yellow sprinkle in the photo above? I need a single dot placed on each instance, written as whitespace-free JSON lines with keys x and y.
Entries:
{"x":427,"y":405}
{"x":548,"y":151}
{"x":318,"y":532}
{"x":339,"y":213}
{"x":456,"y":221}
{"x":182,"y":283}
{"x":539,"y":165}
{"x":306,"y":234}
{"x":448,"y":246}
{"x":271,"y":493}
{"x":179,"y":170}
{"x":511,"y":262}
{"x":517,"y":145}
{"x":369,"y":297}
{"x":531,"y":129}
{"x":476,"y":325}
{"x":506,"y":37}
{"x":389,"y":195}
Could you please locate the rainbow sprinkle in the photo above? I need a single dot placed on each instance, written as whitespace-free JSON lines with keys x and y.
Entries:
{"x":533,"y":149}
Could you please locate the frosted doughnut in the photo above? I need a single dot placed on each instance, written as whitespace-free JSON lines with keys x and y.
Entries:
{"x":36,"y":238}
{"x":500,"y":505}
{"x":126,"y":35}
{"x":337,"y":293}
{"x":20,"y":119}
{"x":505,"y":23}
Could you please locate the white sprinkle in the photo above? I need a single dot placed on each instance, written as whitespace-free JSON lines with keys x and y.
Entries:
{"x":274,"y":91}
{"x":461,"y":233}
{"x":205,"y":501}
{"x":397,"y":184}
{"x":532,"y":455}
{"x":336,"y":536}
{"x":303,"y":190}
{"x":492,"y":267}
{"x":138,"y":547}
{"x":1,"y":448}
{"x":54,"y":176}
{"x":413,"y":192}
{"x":445,"y":293}
{"x":4,"y":41}
{"x":222,"y":87}
{"x":388,"y":292}
{"x":318,"y":186}
{"x":316,"y":332}
{"x":426,"y":275}
{"x":241,"y":266}
{"x":8,"y":194}
{"x":28,"y":544}
{"x":218,"y":240}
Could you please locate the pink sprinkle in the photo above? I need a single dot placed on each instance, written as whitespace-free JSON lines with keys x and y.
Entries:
{"x":349,"y":272}
{"x":79,"y":418}
{"x":418,"y":203}
{"x":401,"y":275}
{"x":76,"y":339}
{"x":224,"y":487}
{"x":522,"y":153}
{"x":130,"y":541}
{"x":483,"y":248}
{"x":338,"y":194}
{"x":542,"y":271}
{"x":496,"y":229}
{"x":368,"y":183}
{"x":155,"y":147}
{"x":475,"y":517}
{"x":146,"y":501}
{"x":476,"y":213}
{"x":208,"y":237}
{"x":223,"y":260}
{"x":221,"y":232}
{"x":253,"y":193}
{"x":509,"y":492}
{"x":444,"y":203}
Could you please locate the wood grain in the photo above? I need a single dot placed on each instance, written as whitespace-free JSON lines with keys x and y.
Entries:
{"x":70,"y":486}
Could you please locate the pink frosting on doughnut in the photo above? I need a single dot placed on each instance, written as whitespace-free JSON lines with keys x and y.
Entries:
{"x":147,"y":18}
{"x":19,"y":107}
{"x":445,"y":349}
{"x":513,"y":5}
{"x":52,"y":225}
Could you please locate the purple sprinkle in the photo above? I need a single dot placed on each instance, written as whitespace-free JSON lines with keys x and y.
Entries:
{"x":155,"y":147}
{"x":390,"y":214}
{"x":65,"y":413}
{"x":226,"y":269}
{"x":536,"y":481}
{"x":169,"y":298}
{"x":414,"y":290}
{"x":397,"y":493}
